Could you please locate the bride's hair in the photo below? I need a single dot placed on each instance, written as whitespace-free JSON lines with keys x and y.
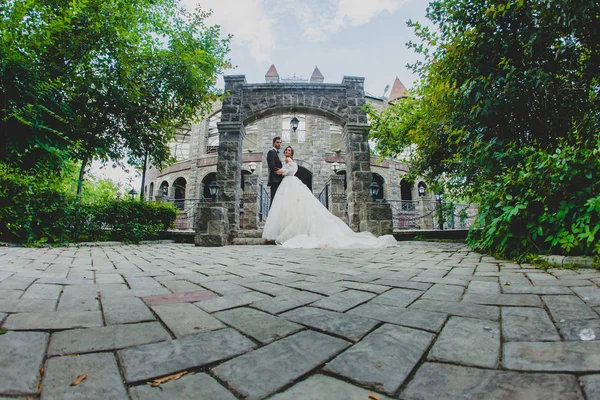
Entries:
{"x":291,"y":149}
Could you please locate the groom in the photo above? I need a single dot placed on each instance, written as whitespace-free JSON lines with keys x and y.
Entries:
{"x":274,"y":164}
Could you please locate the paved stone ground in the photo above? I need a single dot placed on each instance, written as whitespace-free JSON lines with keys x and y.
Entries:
{"x":420,"y":321}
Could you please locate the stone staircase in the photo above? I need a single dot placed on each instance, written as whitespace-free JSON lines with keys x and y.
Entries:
{"x":250,"y":237}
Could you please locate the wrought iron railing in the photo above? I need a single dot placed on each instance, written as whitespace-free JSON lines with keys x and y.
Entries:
{"x":324,"y":196}
{"x":409,"y":214}
{"x":187,"y":211}
{"x":264,"y":202}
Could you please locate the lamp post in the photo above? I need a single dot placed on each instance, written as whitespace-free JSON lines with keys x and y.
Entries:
{"x":294,"y":124}
{"x":132,"y":194}
{"x":438,"y":198}
{"x":252,"y":166}
{"x":335,"y":166}
{"x":421,"y":188}
{"x":374,"y":190}
{"x":213,"y":189}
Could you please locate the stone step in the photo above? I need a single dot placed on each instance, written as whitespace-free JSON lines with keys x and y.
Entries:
{"x":249,"y":233}
{"x":248,"y":241}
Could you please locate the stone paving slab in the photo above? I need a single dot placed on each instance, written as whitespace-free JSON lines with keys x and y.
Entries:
{"x":53,"y":321}
{"x":590,"y":295}
{"x":565,"y":308}
{"x":26,"y":305}
{"x":190,"y":387}
{"x":268,"y":369}
{"x":21,"y":357}
{"x":125,"y":310}
{"x":383,"y":359}
{"x":351,"y":327}
{"x":580,"y":329}
{"x":112,"y":337}
{"x":181,"y":297}
{"x":286,"y":302}
{"x":398,"y":297}
{"x":261,"y":326}
{"x":525,"y":324}
{"x":231,"y":301}
{"x":528,"y":300}
{"x":468,"y":341}
{"x":553,"y":356}
{"x":463,"y":309}
{"x":427,"y":320}
{"x":186,"y":319}
{"x":320,"y":387}
{"x":344,"y":301}
{"x":450,"y":382}
{"x":591,"y":386}
{"x":160,"y":359}
{"x":103,"y":379}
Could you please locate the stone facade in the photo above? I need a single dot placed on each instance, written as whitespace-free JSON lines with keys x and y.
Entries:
{"x":333,"y":129}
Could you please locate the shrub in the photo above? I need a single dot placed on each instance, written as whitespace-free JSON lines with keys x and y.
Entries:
{"x":33,"y":210}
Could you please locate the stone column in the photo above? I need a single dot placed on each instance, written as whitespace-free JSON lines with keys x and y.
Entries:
{"x":212,"y":225}
{"x":337,"y":197}
{"x":229,"y":170}
{"x":358,"y":171}
{"x":251,"y":202}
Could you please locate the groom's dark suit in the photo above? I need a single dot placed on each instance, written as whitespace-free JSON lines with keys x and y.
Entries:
{"x":274,"y":163}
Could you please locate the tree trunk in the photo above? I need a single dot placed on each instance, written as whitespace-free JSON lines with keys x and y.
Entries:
{"x":84,"y":163}
{"x":143,"y":194}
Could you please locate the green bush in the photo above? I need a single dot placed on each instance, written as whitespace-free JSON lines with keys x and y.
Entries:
{"x":34,"y":210}
{"x":547,"y":203}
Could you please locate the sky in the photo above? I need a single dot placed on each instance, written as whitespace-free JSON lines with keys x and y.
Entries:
{"x":364,"y":38}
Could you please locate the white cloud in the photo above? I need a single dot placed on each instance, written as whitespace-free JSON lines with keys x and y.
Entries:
{"x":247,"y":20}
{"x":321,"y":18}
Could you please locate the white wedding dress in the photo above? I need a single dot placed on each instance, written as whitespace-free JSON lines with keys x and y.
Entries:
{"x":297,"y":219}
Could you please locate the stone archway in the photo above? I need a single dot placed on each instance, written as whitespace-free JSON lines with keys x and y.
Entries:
{"x":340,"y":103}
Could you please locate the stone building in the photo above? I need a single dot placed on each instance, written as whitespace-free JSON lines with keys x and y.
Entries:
{"x":318,"y":141}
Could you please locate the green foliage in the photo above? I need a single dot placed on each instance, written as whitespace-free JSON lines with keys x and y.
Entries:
{"x":37,"y":210}
{"x":507,"y":115}
{"x":101,"y":79}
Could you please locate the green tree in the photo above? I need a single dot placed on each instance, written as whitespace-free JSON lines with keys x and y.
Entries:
{"x":507,"y":113}
{"x":101,"y":79}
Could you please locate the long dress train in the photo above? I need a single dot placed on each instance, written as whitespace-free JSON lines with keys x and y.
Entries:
{"x":297,"y":219}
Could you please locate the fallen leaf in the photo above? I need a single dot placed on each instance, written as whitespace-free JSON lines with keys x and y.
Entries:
{"x":3,"y":331}
{"x":373,"y":396}
{"x":174,"y":377}
{"x":42,"y":371}
{"x":79,"y":379}
{"x":40,"y":389}
{"x":506,"y":283}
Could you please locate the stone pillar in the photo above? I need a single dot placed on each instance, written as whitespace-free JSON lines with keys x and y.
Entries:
{"x":358,"y":171}
{"x":212,"y":225}
{"x":376,"y":218}
{"x":337,"y":197}
{"x":251,"y":202}
{"x":229,"y":170}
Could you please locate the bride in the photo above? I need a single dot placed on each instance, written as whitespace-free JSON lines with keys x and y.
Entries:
{"x":297,"y":219}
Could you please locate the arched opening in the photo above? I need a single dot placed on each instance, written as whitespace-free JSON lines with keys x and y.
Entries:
{"x":164,"y":188}
{"x":206,"y":196}
{"x":381,"y":182}
{"x":151,"y":191}
{"x":244,"y":174}
{"x":305,"y":176}
{"x":179,"y":192}
{"x":406,"y":190}
{"x":345,"y":179}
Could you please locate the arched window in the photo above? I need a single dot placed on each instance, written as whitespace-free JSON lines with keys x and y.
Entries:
{"x":406,"y":190}
{"x":244,"y":174}
{"x":179,"y":191}
{"x":151,"y":192}
{"x":164,"y":188}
